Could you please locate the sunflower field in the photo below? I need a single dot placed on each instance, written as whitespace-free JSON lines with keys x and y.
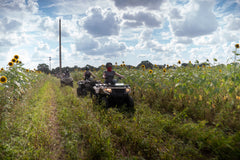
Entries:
{"x":15,"y":80}
{"x":182,"y":112}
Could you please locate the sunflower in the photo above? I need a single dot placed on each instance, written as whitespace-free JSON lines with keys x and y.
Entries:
{"x":16,"y":57}
{"x":14,"y":60}
{"x":220,"y":70}
{"x":190,"y":62}
{"x":10,"y":64}
{"x":115,"y":63}
{"x":150,"y":71}
{"x":164,"y":70}
{"x":2,"y":69}
{"x":17,"y":61}
{"x":179,"y":62}
{"x":123,"y":62}
{"x":167,"y":66}
{"x":237,"y":45}
{"x":143,"y":66}
{"x":155,"y":65}
{"x":3,"y":79}
{"x":27,"y":70}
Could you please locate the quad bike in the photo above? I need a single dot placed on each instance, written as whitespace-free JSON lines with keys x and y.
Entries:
{"x":114,"y":95}
{"x":67,"y":81}
{"x":85,"y":86}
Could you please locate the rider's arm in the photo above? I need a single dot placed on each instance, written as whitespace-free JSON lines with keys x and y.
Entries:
{"x":119,"y":75}
{"x":93,"y":75}
{"x":104,"y":76}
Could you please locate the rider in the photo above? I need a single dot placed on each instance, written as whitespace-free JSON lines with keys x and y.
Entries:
{"x":88,"y":74}
{"x":108,"y":75}
{"x":67,"y":74}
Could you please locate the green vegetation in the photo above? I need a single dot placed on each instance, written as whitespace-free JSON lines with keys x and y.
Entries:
{"x":187,"y":112}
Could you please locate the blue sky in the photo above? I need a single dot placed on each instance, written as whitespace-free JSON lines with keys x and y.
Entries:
{"x":98,"y":31}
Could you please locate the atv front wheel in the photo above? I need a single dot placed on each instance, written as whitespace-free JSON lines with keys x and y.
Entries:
{"x":130,"y":104}
{"x":81,"y":92}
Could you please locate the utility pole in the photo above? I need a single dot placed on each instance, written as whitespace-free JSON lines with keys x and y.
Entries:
{"x":60,"y":56}
{"x":50,"y":63}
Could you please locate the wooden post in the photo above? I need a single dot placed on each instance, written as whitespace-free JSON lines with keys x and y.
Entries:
{"x":60,"y":56}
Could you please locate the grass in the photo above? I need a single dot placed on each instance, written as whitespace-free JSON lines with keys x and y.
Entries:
{"x":51,"y":122}
{"x":26,"y":130}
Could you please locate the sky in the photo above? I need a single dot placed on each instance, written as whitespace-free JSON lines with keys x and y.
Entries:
{"x":98,"y":31}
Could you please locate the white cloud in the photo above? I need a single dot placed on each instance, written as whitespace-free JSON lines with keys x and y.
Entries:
{"x":107,"y":47}
{"x":233,"y":23}
{"x":75,"y":7}
{"x":102,"y":22}
{"x":198,"y":19}
{"x":42,"y":46}
{"x":142,"y":18}
{"x":86,"y":44}
{"x":184,"y":40}
{"x":149,"y":4}
{"x":175,"y":14}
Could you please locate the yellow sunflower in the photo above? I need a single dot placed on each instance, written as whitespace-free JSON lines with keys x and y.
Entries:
{"x":179,"y":62}
{"x":2,"y":69}
{"x":14,"y":60}
{"x":10,"y":64}
{"x":16,"y":57}
{"x":155,"y":65}
{"x":190,"y":62}
{"x":123,"y":62}
{"x":237,"y":45}
{"x":220,"y":70}
{"x":17,"y":61}
{"x":143,"y":66}
{"x":27,"y":70}
{"x":150,"y":71}
{"x":3,"y":79}
{"x":167,"y":66}
{"x":164,"y":70}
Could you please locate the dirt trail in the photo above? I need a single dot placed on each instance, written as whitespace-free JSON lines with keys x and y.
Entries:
{"x":57,"y":148}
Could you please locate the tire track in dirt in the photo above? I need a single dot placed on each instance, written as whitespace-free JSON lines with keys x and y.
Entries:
{"x":57,"y":148}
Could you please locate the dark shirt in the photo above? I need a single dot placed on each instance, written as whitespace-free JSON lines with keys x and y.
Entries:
{"x":87,"y":75}
{"x":109,"y":76}
{"x":67,"y":74}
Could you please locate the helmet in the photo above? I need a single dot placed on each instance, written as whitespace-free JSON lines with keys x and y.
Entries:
{"x":109,"y":64}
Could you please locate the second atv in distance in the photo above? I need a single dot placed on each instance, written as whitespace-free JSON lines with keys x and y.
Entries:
{"x":85,"y":86}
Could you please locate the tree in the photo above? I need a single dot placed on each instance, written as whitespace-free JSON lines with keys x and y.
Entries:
{"x":43,"y":68}
{"x":147,"y":64}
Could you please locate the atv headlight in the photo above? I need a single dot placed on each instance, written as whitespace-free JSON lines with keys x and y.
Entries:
{"x":128,"y":90}
{"x":109,"y":90}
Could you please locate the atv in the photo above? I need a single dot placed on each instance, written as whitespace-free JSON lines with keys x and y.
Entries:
{"x":67,"y":81}
{"x":85,"y":86}
{"x":114,"y":95}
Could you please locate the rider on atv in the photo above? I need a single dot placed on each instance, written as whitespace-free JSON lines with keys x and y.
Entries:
{"x":108,"y":75}
{"x":87,"y":75}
